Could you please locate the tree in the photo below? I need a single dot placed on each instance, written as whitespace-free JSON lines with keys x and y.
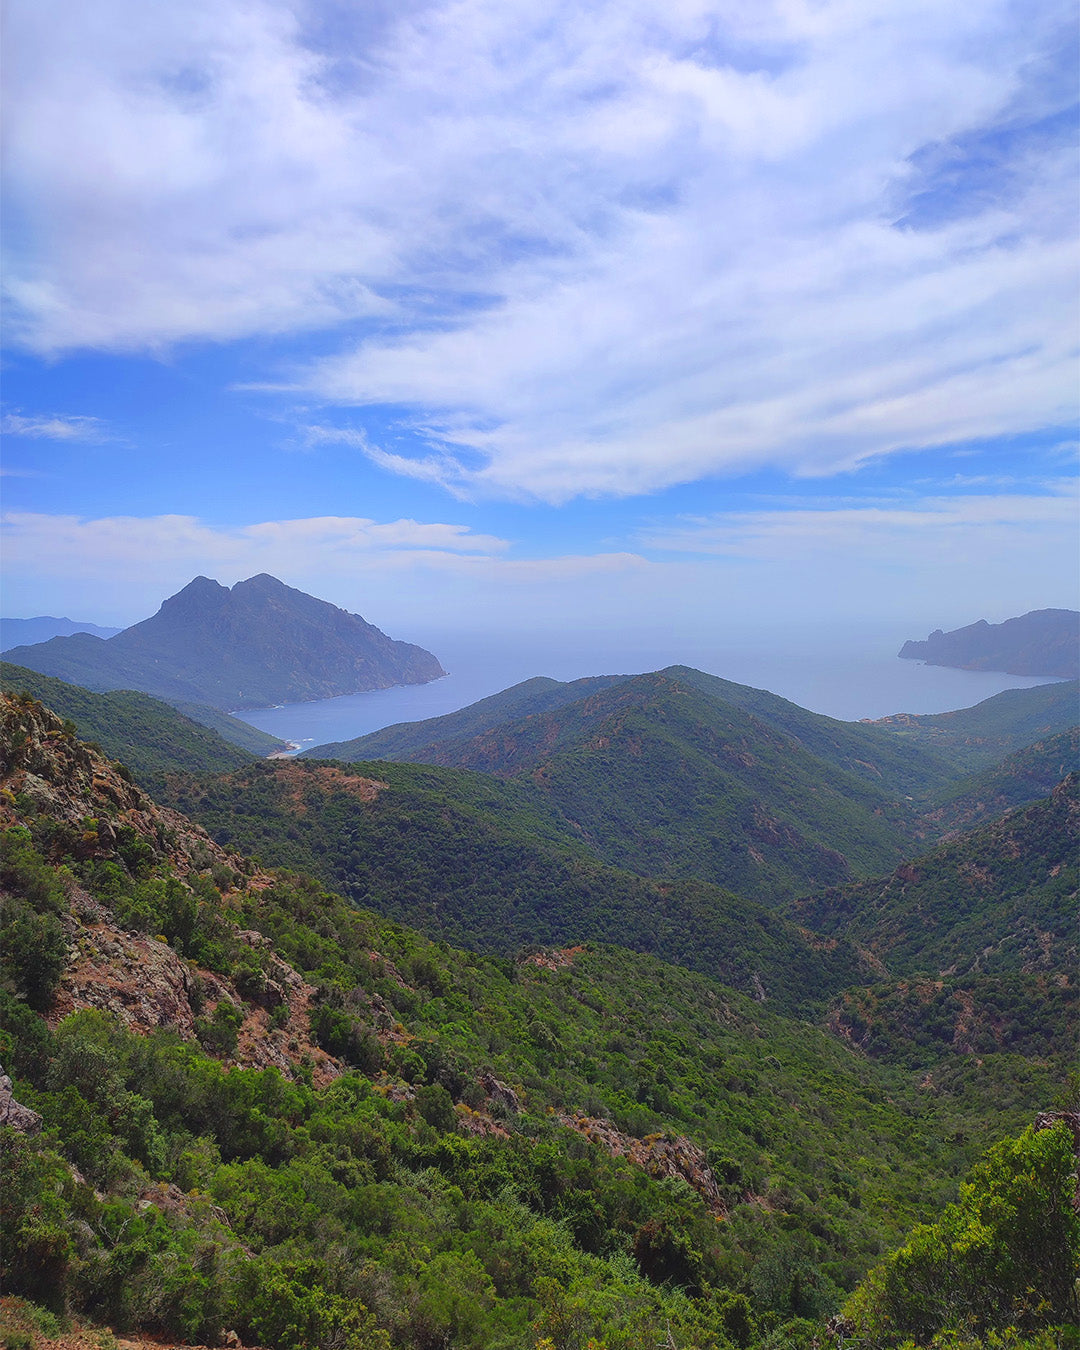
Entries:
{"x":1007,"y":1254}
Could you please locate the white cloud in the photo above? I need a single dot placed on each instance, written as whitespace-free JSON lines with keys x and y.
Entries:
{"x":59,"y":541}
{"x":58,"y":427}
{"x":122,"y":567}
{"x":1002,"y":553}
{"x":599,"y":249}
{"x":929,"y":561}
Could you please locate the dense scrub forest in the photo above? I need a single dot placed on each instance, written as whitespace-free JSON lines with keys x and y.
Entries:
{"x":242,"y":1102}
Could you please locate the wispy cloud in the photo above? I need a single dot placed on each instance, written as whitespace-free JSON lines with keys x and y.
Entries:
{"x":596,"y":249}
{"x":314,"y":435}
{"x":58,"y":427}
{"x":921,"y":533}
{"x":62,"y":542}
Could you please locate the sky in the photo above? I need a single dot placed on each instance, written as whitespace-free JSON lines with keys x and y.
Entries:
{"x":543,"y":317}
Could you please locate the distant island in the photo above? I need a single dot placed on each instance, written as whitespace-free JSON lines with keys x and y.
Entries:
{"x":258,"y":644}
{"x":1042,"y":642}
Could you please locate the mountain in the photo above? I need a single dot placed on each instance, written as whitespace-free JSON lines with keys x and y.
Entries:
{"x":238,"y":1103}
{"x":258,"y":644}
{"x":851,"y":746}
{"x":682,"y":774}
{"x":19,"y":632}
{"x":1043,"y":642}
{"x":979,"y":737}
{"x":492,"y":866}
{"x":148,"y":736}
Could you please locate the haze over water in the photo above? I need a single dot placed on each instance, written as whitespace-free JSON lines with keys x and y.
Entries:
{"x":851,"y":674}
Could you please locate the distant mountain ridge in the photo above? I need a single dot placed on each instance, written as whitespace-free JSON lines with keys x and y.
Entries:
{"x":23,"y":632}
{"x":260,"y":643}
{"x":1042,"y":642}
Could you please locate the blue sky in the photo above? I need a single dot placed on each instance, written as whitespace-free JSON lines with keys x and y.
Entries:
{"x":542,"y":316}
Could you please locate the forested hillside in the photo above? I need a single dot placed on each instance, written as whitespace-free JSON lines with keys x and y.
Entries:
{"x":242,"y":1104}
{"x":1022,"y":777}
{"x":679,"y":774}
{"x":148,"y":736}
{"x":1001,"y":898}
{"x":491,"y":866}
{"x":976,"y":738}
{"x":857,"y":747}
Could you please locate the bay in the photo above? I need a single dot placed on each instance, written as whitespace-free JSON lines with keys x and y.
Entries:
{"x":848,"y":674}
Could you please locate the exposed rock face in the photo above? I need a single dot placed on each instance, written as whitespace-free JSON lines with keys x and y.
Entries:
{"x":13,"y":1113}
{"x":137,"y":978}
{"x":661,"y":1155}
{"x":499,"y":1093}
{"x":55,"y":774}
{"x":257,"y":644}
{"x":147,"y":986}
{"x":133,"y":976}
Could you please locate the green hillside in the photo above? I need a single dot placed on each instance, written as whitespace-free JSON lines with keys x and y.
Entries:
{"x":232,"y":729}
{"x":670,"y":775}
{"x":981,"y":736}
{"x":858,"y":748}
{"x":1001,"y":899}
{"x":399,"y":741}
{"x":144,"y":733}
{"x":1019,"y":779}
{"x":580,"y":1144}
{"x":490,"y":866}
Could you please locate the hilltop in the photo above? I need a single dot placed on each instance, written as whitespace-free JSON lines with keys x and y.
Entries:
{"x":1042,"y":642}
{"x":681,"y":774}
{"x":258,"y":644}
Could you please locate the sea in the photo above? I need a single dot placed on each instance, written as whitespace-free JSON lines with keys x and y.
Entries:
{"x":849,"y":674}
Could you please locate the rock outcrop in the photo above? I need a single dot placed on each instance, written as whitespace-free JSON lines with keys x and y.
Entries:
{"x":136,"y":977}
{"x":48,"y":771}
{"x":13,"y":1113}
{"x":661,"y":1155}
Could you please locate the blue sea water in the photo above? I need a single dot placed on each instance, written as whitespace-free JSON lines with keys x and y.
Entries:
{"x":850,"y":675}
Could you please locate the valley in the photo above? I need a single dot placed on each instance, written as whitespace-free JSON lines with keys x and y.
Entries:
{"x":422,"y":1050}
